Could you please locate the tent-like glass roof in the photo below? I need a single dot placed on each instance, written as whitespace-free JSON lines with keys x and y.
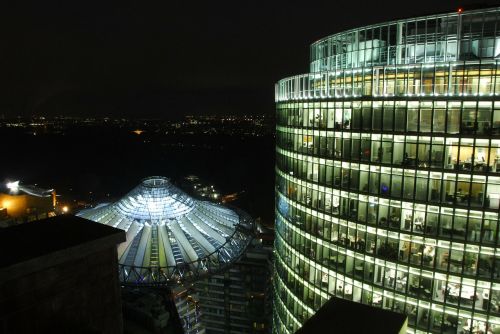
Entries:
{"x":171,"y":236}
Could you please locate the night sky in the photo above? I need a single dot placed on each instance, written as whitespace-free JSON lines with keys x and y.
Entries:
{"x":151,"y":60}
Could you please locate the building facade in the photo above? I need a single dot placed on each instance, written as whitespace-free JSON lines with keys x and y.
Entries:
{"x":237,"y":300}
{"x":388,"y":174}
{"x":234,"y":301}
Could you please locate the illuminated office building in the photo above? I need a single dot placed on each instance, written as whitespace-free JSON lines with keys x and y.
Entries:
{"x":388,"y":174}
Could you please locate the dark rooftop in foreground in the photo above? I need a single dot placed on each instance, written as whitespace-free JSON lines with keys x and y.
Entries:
{"x":344,"y":316}
{"x":60,"y":275}
{"x":26,"y":244}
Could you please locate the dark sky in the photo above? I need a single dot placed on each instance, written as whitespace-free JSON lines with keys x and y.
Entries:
{"x":170,"y":58}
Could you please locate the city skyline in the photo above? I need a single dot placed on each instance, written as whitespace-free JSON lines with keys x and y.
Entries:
{"x":264,"y":158}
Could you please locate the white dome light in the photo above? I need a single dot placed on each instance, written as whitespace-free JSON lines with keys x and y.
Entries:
{"x":171,"y":236}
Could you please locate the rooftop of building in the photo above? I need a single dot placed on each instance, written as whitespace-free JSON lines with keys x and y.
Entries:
{"x":344,"y":316}
{"x":51,"y":241}
{"x":469,"y":10}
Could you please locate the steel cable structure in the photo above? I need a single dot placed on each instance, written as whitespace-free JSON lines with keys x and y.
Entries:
{"x":171,"y":237}
{"x":388,"y":174}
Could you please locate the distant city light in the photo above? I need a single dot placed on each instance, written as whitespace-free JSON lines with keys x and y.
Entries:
{"x":13,"y":186}
{"x":65,"y":209}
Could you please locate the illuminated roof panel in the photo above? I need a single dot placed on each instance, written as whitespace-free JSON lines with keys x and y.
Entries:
{"x":172,"y":234}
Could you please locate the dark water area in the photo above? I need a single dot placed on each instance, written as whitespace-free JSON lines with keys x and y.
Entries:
{"x":96,"y":164}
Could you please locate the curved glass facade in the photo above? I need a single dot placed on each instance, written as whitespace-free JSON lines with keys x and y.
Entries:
{"x":388,"y":174}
